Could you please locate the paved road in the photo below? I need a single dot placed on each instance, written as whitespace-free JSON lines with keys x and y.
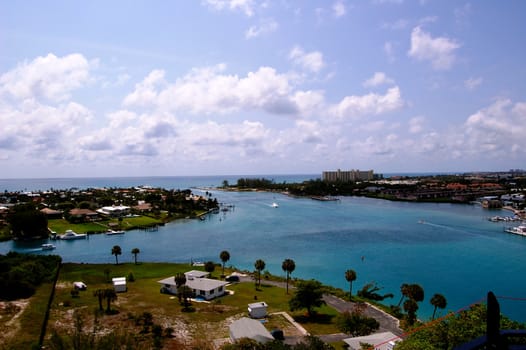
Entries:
{"x":387,"y":322}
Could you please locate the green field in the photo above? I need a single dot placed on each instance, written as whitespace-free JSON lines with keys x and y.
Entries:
{"x":60,"y":225}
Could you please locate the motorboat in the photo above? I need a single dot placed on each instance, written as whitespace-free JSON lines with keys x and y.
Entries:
{"x":274,"y":205}
{"x":48,"y":246}
{"x":517,"y":230}
{"x":113,"y":232}
{"x":69,"y":234}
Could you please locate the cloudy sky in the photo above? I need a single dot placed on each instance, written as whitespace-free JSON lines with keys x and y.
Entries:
{"x":228,"y":87}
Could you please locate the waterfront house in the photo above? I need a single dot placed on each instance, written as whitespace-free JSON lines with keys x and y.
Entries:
{"x":114,"y":211}
{"x":203,"y":287}
{"x":79,"y":215}
{"x":249,"y":328}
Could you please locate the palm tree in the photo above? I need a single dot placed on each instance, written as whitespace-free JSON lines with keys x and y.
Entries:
{"x":438,"y":301}
{"x":404,"y":289}
{"x":288,"y":266}
{"x":99,"y":293}
{"x":210,"y":266}
{"x":416,"y":292}
{"x":224,"y":256}
{"x":350,"y":276}
{"x":179,"y":279}
{"x":116,"y":250}
{"x":410,"y":306}
{"x":260,"y":266}
{"x":110,"y":296}
{"x":135,"y":251}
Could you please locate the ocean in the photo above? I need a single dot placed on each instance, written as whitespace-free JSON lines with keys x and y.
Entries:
{"x":451,"y":249}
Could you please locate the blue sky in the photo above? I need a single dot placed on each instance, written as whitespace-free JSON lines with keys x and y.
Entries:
{"x":218,"y":87}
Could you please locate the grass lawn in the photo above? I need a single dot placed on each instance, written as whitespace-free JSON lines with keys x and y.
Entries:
{"x":206,"y":321}
{"x":60,"y":226}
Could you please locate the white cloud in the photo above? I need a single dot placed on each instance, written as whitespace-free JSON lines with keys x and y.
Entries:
{"x":379,"y":78}
{"x":415,"y":125}
{"x":245,"y":6}
{"x":311,"y":61}
{"x":439,"y":51}
{"x":49,"y":77}
{"x":338,"y":8}
{"x":370,"y":104}
{"x":472,"y":83}
{"x":266,"y":26}
{"x":146,"y":91}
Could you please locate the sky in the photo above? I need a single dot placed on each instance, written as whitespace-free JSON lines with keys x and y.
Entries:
{"x":227,"y":87}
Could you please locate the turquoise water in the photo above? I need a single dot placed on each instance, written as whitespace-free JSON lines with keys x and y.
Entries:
{"x":455,"y":251}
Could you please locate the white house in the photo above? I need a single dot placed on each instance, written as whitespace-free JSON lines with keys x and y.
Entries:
{"x":204,"y":287}
{"x":114,"y":210}
{"x":249,"y":328}
{"x":119,"y":284}
{"x":380,"y":341}
{"x":195,"y":274}
{"x":257,"y":310}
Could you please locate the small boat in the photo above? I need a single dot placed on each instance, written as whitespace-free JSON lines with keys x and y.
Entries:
{"x":69,"y":235}
{"x":274,"y":205}
{"x":517,"y":230}
{"x":112,"y":232}
{"x":48,"y":246}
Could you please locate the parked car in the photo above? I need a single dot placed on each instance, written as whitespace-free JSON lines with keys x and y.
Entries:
{"x":232,"y":278}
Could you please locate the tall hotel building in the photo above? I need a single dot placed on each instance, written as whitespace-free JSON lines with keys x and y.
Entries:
{"x":347,"y":175}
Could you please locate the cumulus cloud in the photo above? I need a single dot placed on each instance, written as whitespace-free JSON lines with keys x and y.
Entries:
{"x":440,"y":51}
{"x":245,"y":6}
{"x":310,"y":61}
{"x":265,"y":27}
{"x":498,"y":129}
{"x":379,"y":78}
{"x":415,"y":125}
{"x":370,"y":104}
{"x":48,"y":77}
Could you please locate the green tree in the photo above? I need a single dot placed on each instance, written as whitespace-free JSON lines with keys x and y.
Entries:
{"x":180,"y":279}
{"x":99,"y":293}
{"x":404,"y":290}
{"x":308,"y":295}
{"x":27,"y":222}
{"x":438,"y":301}
{"x":135,"y":251}
{"x":288,"y":266}
{"x":416,"y":292}
{"x":210,"y":266}
{"x":116,"y":250}
{"x":350,"y":276}
{"x":260,"y":266}
{"x":224,"y":256}
{"x":184,"y":293}
{"x":411,"y":307}
{"x":356,"y":324}
{"x":110,"y":296}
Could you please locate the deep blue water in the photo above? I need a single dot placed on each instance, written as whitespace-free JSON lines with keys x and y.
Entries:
{"x":455,"y":251}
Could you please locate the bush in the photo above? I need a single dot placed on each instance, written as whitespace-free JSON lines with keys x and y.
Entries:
{"x":356,"y":324}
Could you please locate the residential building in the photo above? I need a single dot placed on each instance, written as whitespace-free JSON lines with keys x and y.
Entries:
{"x":347,"y":175}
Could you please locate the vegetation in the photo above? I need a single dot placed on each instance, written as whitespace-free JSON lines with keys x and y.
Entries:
{"x":356,"y":324}
{"x":438,"y":301}
{"x":350,"y":276}
{"x":26,"y":222}
{"x":309,"y":343}
{"x":210,"y":266}
{"x":224,"y":256}
{"x":288,"y":266}
{"x":21,"y":274}
{"x":116,"y":250}
{"x":259,"y":265}
{"x":308,"y":295}
{"x":135,"y":252}
{"x":454,"y":330}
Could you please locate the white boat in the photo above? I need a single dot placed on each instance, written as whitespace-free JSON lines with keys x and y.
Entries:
{"x":48,"y":246}
{"x":517,"y":230}
{"x":112,"y":232}
{"x":69,"y":234}
{"x":275,"y":205}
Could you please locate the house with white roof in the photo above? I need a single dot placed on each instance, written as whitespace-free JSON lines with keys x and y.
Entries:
{"x":201,"y":286}
{"x":249,"y":328}
{"x":380,"y":341}
{"x":114,"y":210}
